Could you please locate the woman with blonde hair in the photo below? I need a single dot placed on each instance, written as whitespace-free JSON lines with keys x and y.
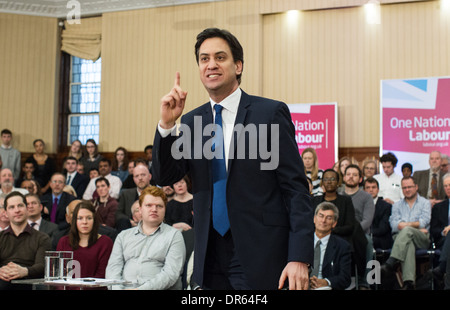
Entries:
{"x":311,"y":163}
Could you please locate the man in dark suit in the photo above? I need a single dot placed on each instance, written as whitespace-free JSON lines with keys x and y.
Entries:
{"x":424,"y":180}
{"x":35,"y":219}
{"x":440,"y":220}
{"x":78,"y":181}
{"x":141,"y":178}
{"x":58,"y":198}
{"x":332,"y":258}
{"x":381,"y":228}
{"x":268,"y":226}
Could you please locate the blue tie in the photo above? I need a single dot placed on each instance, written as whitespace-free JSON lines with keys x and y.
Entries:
{"x":220,"y":214}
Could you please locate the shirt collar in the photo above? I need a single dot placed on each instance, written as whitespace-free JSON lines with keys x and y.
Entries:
{"x":323,"y":241}
{"x":27,"y":229}
{"x":230,"y":103}
{"x":140,"y":231}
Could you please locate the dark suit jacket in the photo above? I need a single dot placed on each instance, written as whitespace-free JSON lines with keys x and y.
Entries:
{"x":422,"y":179}
{"x":439,"y":219}
{"x":336,"y":265}
{"x":79,"y":184}
{"x":381,"y":229}
{"x":63,"y":202}
{"x":270,"y":213}
{"x":126,"y":199}
{"x":48,"y":227}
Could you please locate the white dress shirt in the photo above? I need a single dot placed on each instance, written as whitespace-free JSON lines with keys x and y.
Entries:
{"x":230,"y":106}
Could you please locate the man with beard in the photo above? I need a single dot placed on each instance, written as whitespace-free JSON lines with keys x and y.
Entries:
{"x":124,"y":216}
{"x":364,"y":209}
{"x":7,"y":183}
{"x":410,"y":223}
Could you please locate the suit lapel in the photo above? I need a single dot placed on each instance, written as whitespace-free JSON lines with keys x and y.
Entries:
{"x":240,"y":119}
{"x":328,"y":258}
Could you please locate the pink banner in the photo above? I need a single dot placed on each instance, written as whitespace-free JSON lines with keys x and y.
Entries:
{"x":416,"y":118}
{"x":316,"y":127}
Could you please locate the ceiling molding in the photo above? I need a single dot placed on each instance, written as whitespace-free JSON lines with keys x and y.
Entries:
{"x":63,"y":8}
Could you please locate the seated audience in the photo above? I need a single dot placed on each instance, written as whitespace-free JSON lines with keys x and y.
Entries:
{"x":4,"y":220}
{"x":381,"y":228}
{"x":104,"y":204}
{"x":76,"y":150}
{"x":44,"y":165}
{"x":152,"y":254}
{"x":92,"y":158}
{"x":22,"y":249}
{"x":407,"y":170}
{"x":332,"y":254}
{"x":410,"y":224}
{"x":369,"y":169}
{"x":120,"y":163}
{"x":429,"y":182}
{"x":35,"y":220}
{"x":389,"y":181}
{"x":104,"y":168}
{"x":141,"y":178}
{"x":56,"y":201}
{"x":179,"y":211}
{"x":347,"y":226}
{"x":77,"y":180}
{"x":89,"y":248}
{"x":27,"y":173}
{"x":440,"y":225}
{"x":311,"y":163}
{"x":7,"y":183}
{"x":444,"y":163}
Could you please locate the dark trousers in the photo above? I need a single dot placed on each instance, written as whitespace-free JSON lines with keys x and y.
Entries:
{"x":222,"y":268}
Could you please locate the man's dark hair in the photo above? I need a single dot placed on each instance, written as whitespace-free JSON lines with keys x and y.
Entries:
{"x":233,"y":43}
{"x":354,"y":167}
{"x":389,"y":157}
{"x":371,"y":180}
{"x":6,"y":132}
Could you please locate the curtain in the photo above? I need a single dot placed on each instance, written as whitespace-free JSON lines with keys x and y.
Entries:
{"x":83,"y":40}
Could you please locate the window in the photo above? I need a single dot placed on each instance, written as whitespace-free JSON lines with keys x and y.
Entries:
{"x":84,"y":100}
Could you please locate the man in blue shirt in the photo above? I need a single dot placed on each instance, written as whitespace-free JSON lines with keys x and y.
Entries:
{"x":410,"y":223}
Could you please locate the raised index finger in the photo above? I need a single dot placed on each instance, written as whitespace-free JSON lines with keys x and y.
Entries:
{"x":177,"y":79}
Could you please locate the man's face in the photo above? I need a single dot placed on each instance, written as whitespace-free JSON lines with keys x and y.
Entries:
{"x":102,"y":188}
{"x":6,"y":139}
{"x":409,"y":188}
{"x":28,"y":168}
{"x":57,"y":184}
{"x":16,"y":210}
{"x":141,"y":176}
{"x":6,"y":176}
{"x":372,"y":189}
{"x":435,"y":161}
{"x":352,"y":177}
{"x":388,"y":168}
{"x":324,"y":221}
{"x":152,"y":210}
{"x":71,"y":165}
{"x":217,"y":67}
{"x":34,"y":207}
{"x":104,"y":168}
